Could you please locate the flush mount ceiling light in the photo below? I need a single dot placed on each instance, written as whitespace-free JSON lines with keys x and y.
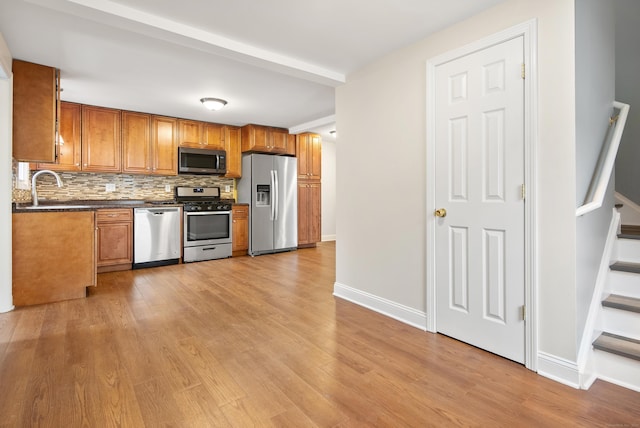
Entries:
{"x":213,"y":103}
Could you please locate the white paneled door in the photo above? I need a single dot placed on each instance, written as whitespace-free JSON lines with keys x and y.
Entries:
{"x":479,"y":154}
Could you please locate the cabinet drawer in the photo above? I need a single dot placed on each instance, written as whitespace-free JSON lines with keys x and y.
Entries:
{"x":241,"y":211}
{"x":117,"y":214}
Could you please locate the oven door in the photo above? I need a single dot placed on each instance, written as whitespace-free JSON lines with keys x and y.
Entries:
{"x":207,"y":228}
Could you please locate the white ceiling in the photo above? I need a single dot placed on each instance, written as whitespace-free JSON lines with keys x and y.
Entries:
{"x":276,"y":62}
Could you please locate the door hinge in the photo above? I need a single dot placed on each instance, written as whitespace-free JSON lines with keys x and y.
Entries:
{"x":523,"y":313}
{"x":522,"y":72}
{"x":523,"y":192}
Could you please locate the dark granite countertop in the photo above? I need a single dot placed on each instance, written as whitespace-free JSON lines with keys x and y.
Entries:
{"x":89,"y":205}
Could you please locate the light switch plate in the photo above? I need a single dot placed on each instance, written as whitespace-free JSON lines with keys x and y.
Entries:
{"x":110,"y":187}
{"x":167,"y":187}
{"x":227,"y":188}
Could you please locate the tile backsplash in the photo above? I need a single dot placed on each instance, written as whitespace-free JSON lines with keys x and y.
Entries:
{"x":91,"y":186}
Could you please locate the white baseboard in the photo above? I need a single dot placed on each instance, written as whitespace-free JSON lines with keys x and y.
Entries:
{"x":328,"y":238}
{"x":558,"y":369}
{"x":402,"y":313}
{"x":4,"y":309}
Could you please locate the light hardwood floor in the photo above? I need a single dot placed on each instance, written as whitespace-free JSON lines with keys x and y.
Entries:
{"x":262,"y":342}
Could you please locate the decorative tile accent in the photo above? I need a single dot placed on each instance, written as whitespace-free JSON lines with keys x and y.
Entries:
{"x":91,"y":186}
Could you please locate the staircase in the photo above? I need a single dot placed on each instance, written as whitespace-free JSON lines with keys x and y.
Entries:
{"x":617,"y":348}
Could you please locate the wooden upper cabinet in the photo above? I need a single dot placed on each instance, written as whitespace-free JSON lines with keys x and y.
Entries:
{"x":279,"y":140}
{"x":309,"y":154}
{"x":69,"y":140}
{"x":164,"y":147}
{"x":213,"y":136}
{"x":254,"y":139}
{"x":201,"y":135}
{"x":101,"y":146}
{"x":136,"y":142}
{"x":264,"y":139}
{"x":149,"y":144}
{"x":35,"y":111}
{"x":189,"y":133}
{"x":232,"y":142}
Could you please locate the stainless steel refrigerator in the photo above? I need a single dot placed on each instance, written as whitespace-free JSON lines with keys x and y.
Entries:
{"x":269,"y":184}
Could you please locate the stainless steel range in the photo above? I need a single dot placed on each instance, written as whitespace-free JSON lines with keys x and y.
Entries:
{"x":207,"y":223}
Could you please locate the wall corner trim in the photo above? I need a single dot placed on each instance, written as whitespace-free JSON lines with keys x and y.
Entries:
{"x":402,"y":313}
{"x":559,"y":369}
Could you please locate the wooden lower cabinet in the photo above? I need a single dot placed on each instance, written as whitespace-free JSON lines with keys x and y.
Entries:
{"x":115,"y":239}
{"x":240,"y":230}
{"x":53,"y":256}
{"x":309,"y":214}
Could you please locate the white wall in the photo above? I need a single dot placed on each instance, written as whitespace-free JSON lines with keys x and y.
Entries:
{"x":628,"y":91}
{"x":381,"y":112}
{"x":328,"y":190}
{"x":595,"y":93}
{"x":6,"y":107}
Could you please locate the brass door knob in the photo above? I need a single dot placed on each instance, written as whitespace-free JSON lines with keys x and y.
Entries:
{"x":440,"y":212}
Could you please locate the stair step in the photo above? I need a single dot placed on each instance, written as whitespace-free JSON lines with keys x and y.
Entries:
{"x":622,"y":302}
{"x":618,"y":345}
{"x":628,"y":236}
{"x":630,"y":229}
{"x":626,"y":267}
{"x":623,"y":283}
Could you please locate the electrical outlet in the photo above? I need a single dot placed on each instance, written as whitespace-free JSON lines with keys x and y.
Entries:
{"x":167,"y":187}
{"x":110,"y":187}
{"x":227,"y":188}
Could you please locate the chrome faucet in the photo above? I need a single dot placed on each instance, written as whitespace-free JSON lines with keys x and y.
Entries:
{"x":34,"y":193}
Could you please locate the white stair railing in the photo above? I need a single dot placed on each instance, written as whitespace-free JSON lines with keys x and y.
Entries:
{"x":604,"y":168}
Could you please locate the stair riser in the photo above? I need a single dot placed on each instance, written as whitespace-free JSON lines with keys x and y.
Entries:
{"x":623,"y":323}
{"x":619,"y":370}
{"x":628,"y":250}
{"x":624,"y":283}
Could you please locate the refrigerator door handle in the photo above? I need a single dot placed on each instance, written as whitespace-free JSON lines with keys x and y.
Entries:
{"x":273,"y":194}
{"x":277,"y":192}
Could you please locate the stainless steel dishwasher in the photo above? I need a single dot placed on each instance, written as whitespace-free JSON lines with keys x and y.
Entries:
{"x":156,"y":237}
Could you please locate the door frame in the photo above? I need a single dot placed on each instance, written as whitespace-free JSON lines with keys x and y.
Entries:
{"x":528,"y":30}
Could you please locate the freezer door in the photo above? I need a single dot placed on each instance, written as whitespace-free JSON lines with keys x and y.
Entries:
{"x":262,"y":199}
{"x":286,"y":221}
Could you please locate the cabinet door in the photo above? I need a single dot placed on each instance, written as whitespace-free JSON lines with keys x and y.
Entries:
{"x":232,"y":147}
{"x":114,"y":239}
{"x":314,"y":153}
{"x":254,"y":139}
{"x":35,"y":110}
{"x":101,"y":143}
{"x":309,"y":213}
{"x":69,"y":140}
{"x":302,"y":155}
{"x":308,"y":152}
{"x":114,"y":244}
{"x":240,"y":242}
{"x":278,"y":140}
{"x":164,"y":145}
{"x":136,"y":142}
{"x":315,"y":213}
{"x":190,"y":133}
{"x":213,"y":137}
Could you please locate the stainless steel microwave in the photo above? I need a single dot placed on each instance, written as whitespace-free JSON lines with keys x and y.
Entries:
{"x":201,"y":161}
